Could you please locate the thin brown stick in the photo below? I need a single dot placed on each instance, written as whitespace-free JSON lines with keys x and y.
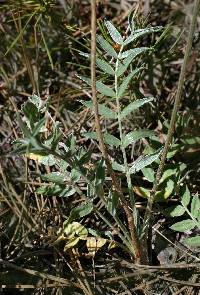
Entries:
{"x":39,"y":274}
{"x":148,"y":215}
{"x":185,"y":283}
{"x":116,"y":185}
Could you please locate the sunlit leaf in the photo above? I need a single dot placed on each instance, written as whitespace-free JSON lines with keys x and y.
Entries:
{"x":193,"y":241}
{"x":118,"y":167}
{"x":185,"y":200}
{"x":71,"y":243}
{"x":144,"y":161}
{"x":169,"y":188}
{"x":141,"y":191}
{"x":133,"y":52}
{"x":183,"y":225}
{"x":48,"y":160}
{"x":141,"y":32}
{"x":114,"y":33}
{"x":123,"y":65}
{"x":168,"y":173}
{"x":39,"y":127}
{"x":36,"y":100}
{"x":148,"y":173}
{"x":133,"y":136}
{"x":195,"y":206}
{"x":175,"y":211}
{"x":75,"y":229}
{"x":93,"y":244}
{"x":134,"y":106}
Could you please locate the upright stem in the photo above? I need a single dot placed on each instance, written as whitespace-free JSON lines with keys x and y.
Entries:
{"x":147,"y":217}
{"x":115,"y":182}
{"x":128,"y":177}
{"x":132,"y":218}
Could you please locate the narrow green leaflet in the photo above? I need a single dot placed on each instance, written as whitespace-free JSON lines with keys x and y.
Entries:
{"x":141,"y":32}
{"x":55,"y":177}
{"x":175,"y":211}
{"x":84,"y":54}
{"x":105,"y":90}
{"x":114,"y":33}
{"x":193,"y":241}
{"x":169,"y":188}
{"x":125,"y":83}
{"x":100,"y":173}
{"x":133,"y":136}
{"x":38,"y":127}
{"x":106,"y":46}
{"x":168,"y":173}
{"x":118,"y":167}
{"x":134,"y":106}
{"x":80,"y":212}
{"x":185,"y":200}
{"x":106,"y":67}
{"x":103,"y":110}
{"x":23,"y":127}
{"x":133,"y":52}
{"x":102,"y":88}
{"x":36,"y":100}
{"x":184,"y":225}
{"x":112,"y":202}
{"x":67,"y":192}
{"x":74,"y":229}
{"x":195,"y":206}
{"x":49,"y":190}
{"x":123,"y":65}
{"x":109,"y":138}
{"x":48,"y":160}
{"x":149,"y":174}
{"x":31,"y":112}
{"x":144,"y":161}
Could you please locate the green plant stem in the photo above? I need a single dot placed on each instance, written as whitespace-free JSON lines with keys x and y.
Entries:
{"x":115,"y":182}
{"x":192,"y":217}
{"x":132,"y":218}
{"x":148,"y":213}
{"x":128,"y":177}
